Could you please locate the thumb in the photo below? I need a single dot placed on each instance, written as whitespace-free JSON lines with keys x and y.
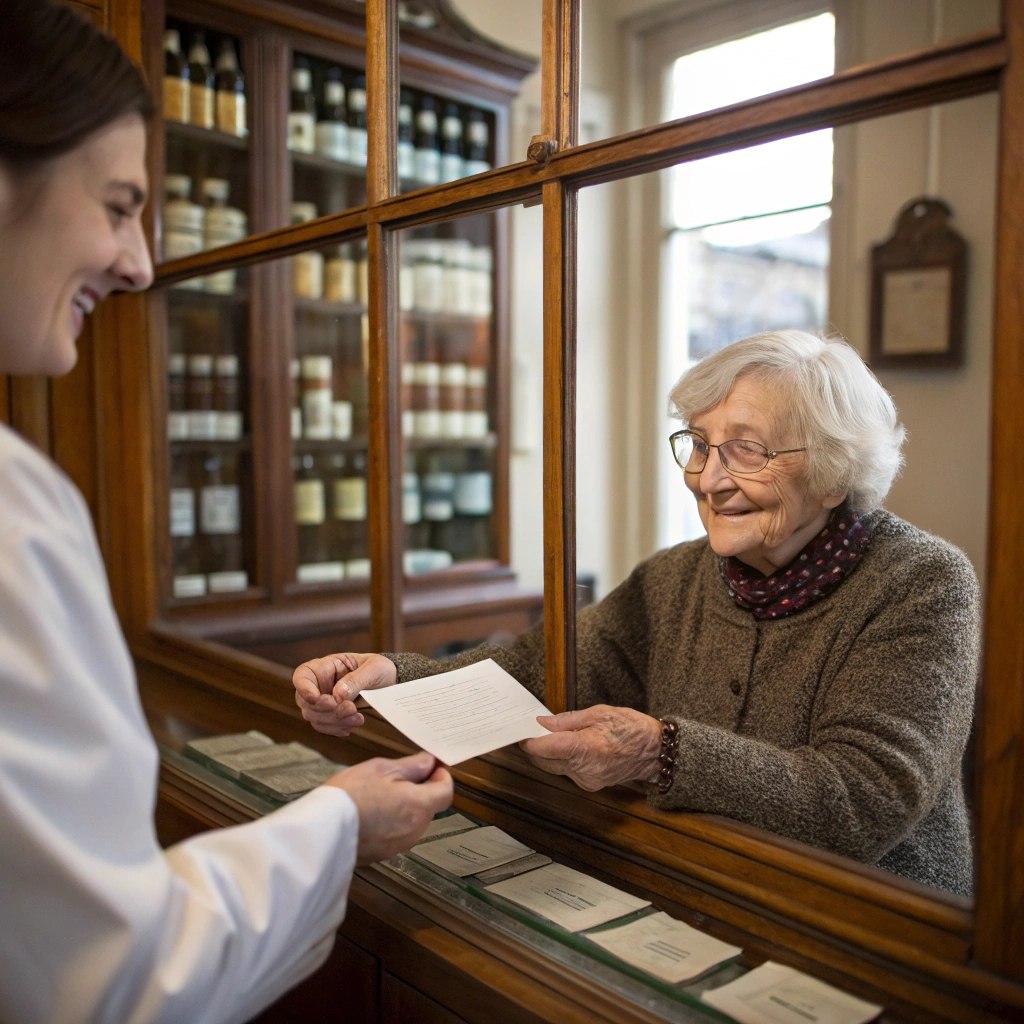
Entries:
{"x":373,"y":674}
{"x":416,"y":767}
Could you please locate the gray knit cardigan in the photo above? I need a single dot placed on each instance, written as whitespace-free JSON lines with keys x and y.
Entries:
{"x":843,"y":725}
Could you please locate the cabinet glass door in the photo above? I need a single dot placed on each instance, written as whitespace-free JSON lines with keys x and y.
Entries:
{"x":449,"y":421}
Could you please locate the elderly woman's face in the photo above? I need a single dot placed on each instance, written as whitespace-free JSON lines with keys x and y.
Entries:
{"x":763,"y":519}
{"x":69,"y":235}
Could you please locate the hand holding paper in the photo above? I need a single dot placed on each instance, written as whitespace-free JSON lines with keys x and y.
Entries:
{"x":461,"y":714}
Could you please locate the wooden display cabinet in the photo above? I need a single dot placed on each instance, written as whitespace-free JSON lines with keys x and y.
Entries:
{"x":267,"y":543}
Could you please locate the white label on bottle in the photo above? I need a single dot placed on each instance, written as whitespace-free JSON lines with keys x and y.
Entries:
{"x":341,"y":416}
{"x":177,"y":426}
{"x":411,"y":507}
{"x":228,"y":581}
{"x":357,"y":146}
{"x":474,"y":424}
{"x":229,"y":426}
{"x":453,"y":167}
{"x":192,"y":585}
{"x":320,"y":572}
{"x":350,"y":499}
{"x":428,"y":166}
{"x":406,"y":160}
{"x":332,"y":139}
{"x":310,"y":502}
{"x":183,"y":512}
{"x":473,"y":493}
{"x":317,"y":414}
{"x":408,"y":423}
{"x":296,"y":423}
{"x":301,"y":131}
{"x":308,"y":275}
{"x":426,"y":423}
{"x":220,"y":511}
{"x":202,"y":425}
{"x":438,"y":494}
{"x":357,"y":569}
{"x":453,"y":423}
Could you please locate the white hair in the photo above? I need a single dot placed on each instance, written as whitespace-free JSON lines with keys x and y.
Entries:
{"x":822,"y":394}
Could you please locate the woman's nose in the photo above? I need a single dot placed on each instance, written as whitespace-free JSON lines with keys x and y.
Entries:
{"x":713,"y":474}
{"x":134,"y":265}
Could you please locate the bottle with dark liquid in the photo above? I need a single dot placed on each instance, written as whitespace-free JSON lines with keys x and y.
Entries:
{"x":188,"y":579}
{"x":302,"y":109}
{"x":349,"y":506}
{"x":230,"y":91}
{"x":201,"y":91}
{"x":453,"y":166}
{"x":406,"y":149}
{"x":426,"y":143}
{"x":477,"y":143}
{"x":357,"y":121}
{"x":314,"y":556}
{"x":221,"y":524}
{"x":332,"y":126}
{"x":176,"y":93}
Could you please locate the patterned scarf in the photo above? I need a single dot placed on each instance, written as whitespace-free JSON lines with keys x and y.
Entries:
{"x":826,"y":561}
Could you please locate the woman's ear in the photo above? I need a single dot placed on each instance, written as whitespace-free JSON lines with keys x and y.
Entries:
{"x":831,"y":501}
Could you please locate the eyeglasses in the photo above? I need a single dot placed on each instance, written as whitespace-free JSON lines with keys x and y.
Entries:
{"x":691,"y":452}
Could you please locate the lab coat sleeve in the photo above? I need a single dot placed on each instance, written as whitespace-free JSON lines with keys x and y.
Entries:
{"x":100,"y":924}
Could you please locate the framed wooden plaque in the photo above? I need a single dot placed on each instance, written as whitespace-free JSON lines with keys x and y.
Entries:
{"x":918,"y":290}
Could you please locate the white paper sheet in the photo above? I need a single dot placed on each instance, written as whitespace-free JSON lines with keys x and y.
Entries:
{"x":568,"y":897}
{"x":669,"y":949}
{"x":773,"y":994}
{"x":461,"y":714}
{"x":472,"y":851}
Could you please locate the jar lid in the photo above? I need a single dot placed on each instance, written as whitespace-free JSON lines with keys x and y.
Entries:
{"x":316,"y":367}
{"x":301,"y":212}
{"x":177,"y":186}
{"x":215,"y":188}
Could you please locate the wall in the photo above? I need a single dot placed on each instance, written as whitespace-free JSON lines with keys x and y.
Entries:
{"x":880,"y":166}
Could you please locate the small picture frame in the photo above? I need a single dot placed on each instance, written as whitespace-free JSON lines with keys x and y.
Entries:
{"x":918,"y":290}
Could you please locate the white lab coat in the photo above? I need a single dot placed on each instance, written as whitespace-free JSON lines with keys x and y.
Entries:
{"x":97,"y":923}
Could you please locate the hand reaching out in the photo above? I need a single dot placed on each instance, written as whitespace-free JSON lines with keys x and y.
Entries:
{"x":598,"y":746}
{"x":396,"y":800}
{"x":326,"y":689}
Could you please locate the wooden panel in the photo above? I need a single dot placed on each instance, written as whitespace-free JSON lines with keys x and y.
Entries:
{"x":401,"y":1003}
{"x":999,"y":938}
{"x":30,"y":409}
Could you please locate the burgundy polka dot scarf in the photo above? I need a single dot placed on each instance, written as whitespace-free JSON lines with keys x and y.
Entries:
{"x":826,"y":561}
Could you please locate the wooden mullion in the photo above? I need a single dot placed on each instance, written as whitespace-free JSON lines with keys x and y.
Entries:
{"x":560,"y":446}
{"x":999,"y":920}
{"x":381,"y":99}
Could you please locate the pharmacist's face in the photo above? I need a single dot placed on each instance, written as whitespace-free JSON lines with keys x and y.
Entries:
{"x":70,"y":234}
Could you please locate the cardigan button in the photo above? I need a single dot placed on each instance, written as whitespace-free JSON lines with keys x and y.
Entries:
{"x":736,"y":686}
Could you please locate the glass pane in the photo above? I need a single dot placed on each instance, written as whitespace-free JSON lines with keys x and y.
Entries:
{"x":329,"y":418}
{"x":644,"y":61}
{"x":449,"y":360}
{"x":211,"y":480}
{"x":326,"y":136}
{"x":206,"y":183}
{"x":454,"y":121}
{"x":659,"y":290}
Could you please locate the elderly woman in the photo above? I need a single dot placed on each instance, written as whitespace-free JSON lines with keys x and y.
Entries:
{"x":808,"y":667}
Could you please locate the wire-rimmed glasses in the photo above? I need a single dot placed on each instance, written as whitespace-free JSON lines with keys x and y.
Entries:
{"x":691,"y":452}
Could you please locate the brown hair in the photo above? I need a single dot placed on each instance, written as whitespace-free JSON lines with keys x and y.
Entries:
{"x":61,"y":79}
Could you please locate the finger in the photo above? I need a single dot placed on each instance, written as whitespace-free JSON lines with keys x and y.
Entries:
{"x":372,"y":674}
{"x":567,"y":721}
{"x":555,"y":747}
{"x":416,"y":767}
{"x":316,"y":676}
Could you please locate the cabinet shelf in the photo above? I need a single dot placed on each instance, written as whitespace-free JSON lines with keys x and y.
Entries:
{"x":203,"y":138}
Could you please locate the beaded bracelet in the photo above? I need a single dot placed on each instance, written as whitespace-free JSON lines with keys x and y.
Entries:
{"x":667,"y":757}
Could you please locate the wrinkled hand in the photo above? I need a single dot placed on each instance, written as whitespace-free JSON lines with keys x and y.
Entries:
{"x":396,"y":800}
{"x":326,"y":689}
{"x":597,"y":747}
